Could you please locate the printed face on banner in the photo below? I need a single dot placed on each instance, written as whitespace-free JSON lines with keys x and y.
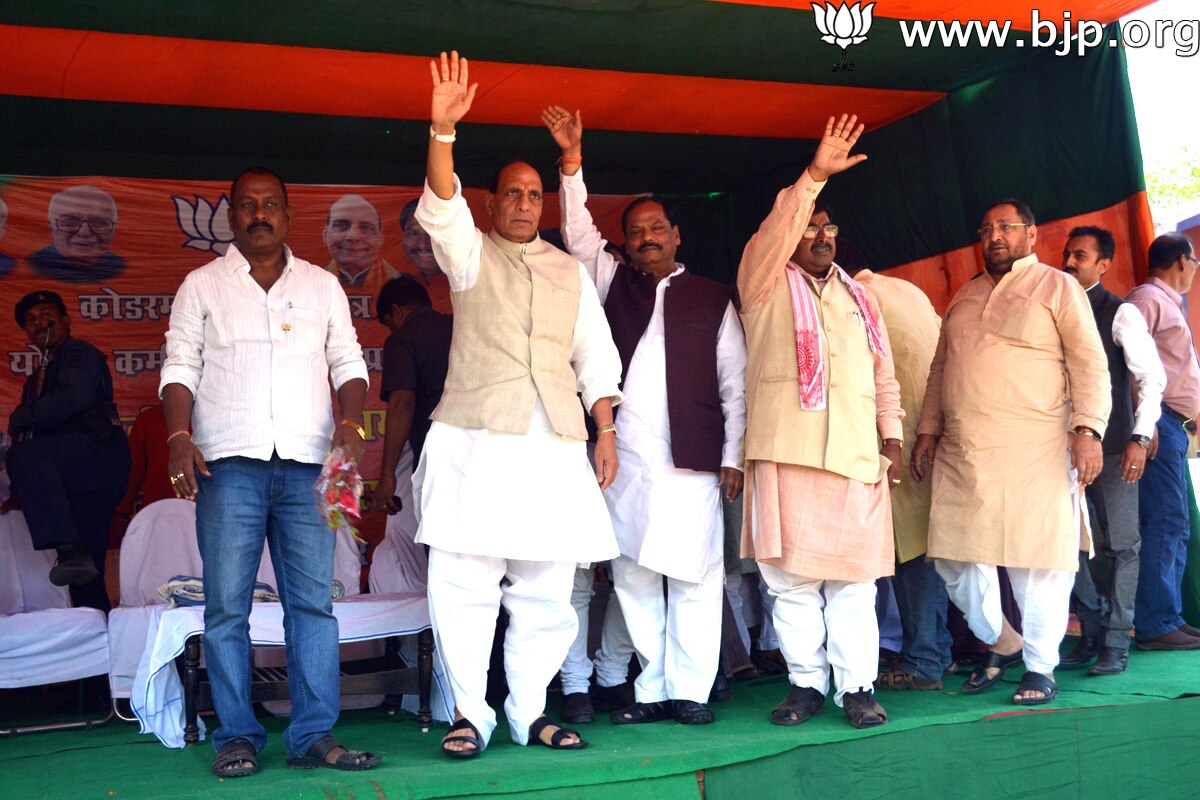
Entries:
{"x":83,"y":220}
{"x":353,"y":233}
{"x":417,"y":243}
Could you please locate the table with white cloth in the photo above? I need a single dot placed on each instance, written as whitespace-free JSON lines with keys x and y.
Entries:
{"x":158,"y":692}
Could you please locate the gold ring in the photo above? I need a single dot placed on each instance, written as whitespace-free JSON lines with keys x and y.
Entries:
{"x":896,"y":482}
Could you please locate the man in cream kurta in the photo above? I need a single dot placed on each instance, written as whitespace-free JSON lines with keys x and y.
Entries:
{"x":507,"y":501}
{"x":666,"y":509}
{"x":1018,"y":394}
{"x":820,"y":385}
{"x":912,"y":326}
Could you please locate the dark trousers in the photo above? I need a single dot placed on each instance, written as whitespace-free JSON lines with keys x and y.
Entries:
{"x":1103,"y":601}
{"x":69,"y":485}
{"x":922,"y":600}
{"x":1166,"y":525}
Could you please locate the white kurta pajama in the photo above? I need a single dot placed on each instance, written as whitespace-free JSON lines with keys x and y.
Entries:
{"x":492,"y":507}
{"x":668,"y":521}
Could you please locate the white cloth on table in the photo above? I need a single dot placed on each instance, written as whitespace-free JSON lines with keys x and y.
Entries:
{"x":157,"y":698}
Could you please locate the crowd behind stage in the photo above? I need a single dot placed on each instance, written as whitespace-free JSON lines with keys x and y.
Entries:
{"x":772,"y":452}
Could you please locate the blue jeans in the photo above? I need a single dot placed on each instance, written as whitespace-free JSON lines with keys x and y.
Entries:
{"x":245,"y":501}
{"x":923,"y":603}
{"x":1166,"y":524}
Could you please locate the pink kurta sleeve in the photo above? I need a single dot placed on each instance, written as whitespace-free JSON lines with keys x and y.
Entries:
{"x":769,"y":249}
{"x":888,"y":412}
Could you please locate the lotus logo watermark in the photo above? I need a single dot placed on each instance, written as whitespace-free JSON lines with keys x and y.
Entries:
{"x":205,"y":225}
{"x":843,"y":26}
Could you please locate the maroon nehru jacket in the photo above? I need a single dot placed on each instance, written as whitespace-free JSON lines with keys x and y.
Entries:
{"x":693,"y":308}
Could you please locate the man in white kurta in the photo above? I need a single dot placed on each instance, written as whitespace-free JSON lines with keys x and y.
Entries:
{"x":667,"y":519}
{"x":507,"y":500}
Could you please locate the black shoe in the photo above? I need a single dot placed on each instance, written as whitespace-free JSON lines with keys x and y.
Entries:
{"x":1172,"y":640}
{"x":1111,"y":661}
{"x":1083,"y":653}
{"x":612,"y":698}
{"x":689,"y":712}
{"x":577,"y":708}
{"x":1190,"y":631}
{"x":770,"y":662}
{"x":720,"y":690}
{"x":73,"y":567}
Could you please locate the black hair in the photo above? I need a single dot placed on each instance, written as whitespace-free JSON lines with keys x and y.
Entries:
{"x":1023,"y":209}
{"x":641,"y":201}
{"x":408,"y":212}
{"x":405,"y":292}
{"x":1104,"y":240}
{"x":1166,"y":250}
{"x":821,"y":207}
{"x":257,"y":171}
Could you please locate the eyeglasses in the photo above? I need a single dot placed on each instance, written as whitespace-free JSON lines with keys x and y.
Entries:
{"x":1004,"y":228}
{"x":97,"y":225}
{"x":831,"y":231}
{"x":1193,"y":259}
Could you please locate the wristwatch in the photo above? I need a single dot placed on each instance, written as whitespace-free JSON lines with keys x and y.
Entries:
{"x":1084,"y":430}
{"x":1141,"y":441}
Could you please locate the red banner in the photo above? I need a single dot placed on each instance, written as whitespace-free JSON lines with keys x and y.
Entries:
{"x":117,"y":249}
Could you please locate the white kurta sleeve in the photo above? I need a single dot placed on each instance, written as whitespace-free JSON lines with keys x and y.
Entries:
{"x":581,"y":236}
{"x":593,"y":355}
{"x":457,"y":243}
{"x":731,"y":379}
{"x":1132,"y":334}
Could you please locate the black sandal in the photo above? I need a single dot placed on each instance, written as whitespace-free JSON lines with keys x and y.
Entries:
{"x":235,"y":751}
{"x":979,"y":680}
{"x":556,"y":739}
{"x":801,"y":704}
{"x":1035,"y":682}
{"x":472,"y":739}
{"x":642,"y":712}
{"x":348,"y":761}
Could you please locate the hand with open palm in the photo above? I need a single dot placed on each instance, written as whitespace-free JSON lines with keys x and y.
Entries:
{"x":452,"y":91}
{"x":833,"y":151}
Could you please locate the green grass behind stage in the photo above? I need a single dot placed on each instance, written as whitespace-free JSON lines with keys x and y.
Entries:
{"x":657,"y":762}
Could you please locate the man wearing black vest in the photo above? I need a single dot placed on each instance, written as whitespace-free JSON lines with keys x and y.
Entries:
{"x":1105,"y":620}
{"x":683,"y":362}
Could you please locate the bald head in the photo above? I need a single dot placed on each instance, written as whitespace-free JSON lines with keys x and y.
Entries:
{"x":353,"y":232}
{"x":83,"y":221}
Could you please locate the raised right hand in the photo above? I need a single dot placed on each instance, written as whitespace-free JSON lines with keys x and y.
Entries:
{"x":566,"y":128}
{"x":452,"y":93}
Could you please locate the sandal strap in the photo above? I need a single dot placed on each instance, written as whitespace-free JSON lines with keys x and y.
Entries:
{"x":560,"y":734}
{"x":233,"y":751}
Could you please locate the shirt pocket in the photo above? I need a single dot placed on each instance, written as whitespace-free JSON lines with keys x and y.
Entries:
{"x":308,"y":328}
{"x":1019,"y":320}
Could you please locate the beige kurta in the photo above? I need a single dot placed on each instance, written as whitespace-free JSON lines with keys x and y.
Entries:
{"x":816,"y":487}
{"x":1018,"y":365}
{"x":913,"y":326}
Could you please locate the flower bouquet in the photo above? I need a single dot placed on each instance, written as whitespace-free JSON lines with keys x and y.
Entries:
{"x":338,"y":491}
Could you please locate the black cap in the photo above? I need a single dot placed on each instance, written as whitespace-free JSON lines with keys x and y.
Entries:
{"x":36,"y":299}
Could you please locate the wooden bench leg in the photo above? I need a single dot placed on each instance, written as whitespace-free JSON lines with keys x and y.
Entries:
{"x":425,"y":678}
{"x":191,"y":688}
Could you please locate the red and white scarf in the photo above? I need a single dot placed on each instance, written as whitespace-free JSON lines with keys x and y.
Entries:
{"x":809,"y":364}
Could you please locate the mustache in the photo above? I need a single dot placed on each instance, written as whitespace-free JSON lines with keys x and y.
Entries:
{"x":253,"y":226}
{"x":649,"y":245}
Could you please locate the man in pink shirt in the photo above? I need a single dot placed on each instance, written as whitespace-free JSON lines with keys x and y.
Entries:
{"x":1162,"y":492}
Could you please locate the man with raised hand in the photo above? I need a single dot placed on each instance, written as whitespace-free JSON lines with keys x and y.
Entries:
{"x":820,"y":389}
{"x":508,"y":503}
{"x":1133,"y":363}
{"x":683,"y":360}
{"x":1017,"y":402}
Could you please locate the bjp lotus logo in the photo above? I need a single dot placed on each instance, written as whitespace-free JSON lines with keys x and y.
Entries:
{"x":205,"y":225}
{"x":843,"y":26}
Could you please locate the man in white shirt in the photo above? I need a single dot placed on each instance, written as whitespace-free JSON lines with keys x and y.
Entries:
{"x":1105,"y":621}
{"x":255,"y":338}
{"x":682,"y":419}
{"x":508,"y":503}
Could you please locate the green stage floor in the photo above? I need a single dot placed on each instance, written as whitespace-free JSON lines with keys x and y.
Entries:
{"x":1115,"y":737}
